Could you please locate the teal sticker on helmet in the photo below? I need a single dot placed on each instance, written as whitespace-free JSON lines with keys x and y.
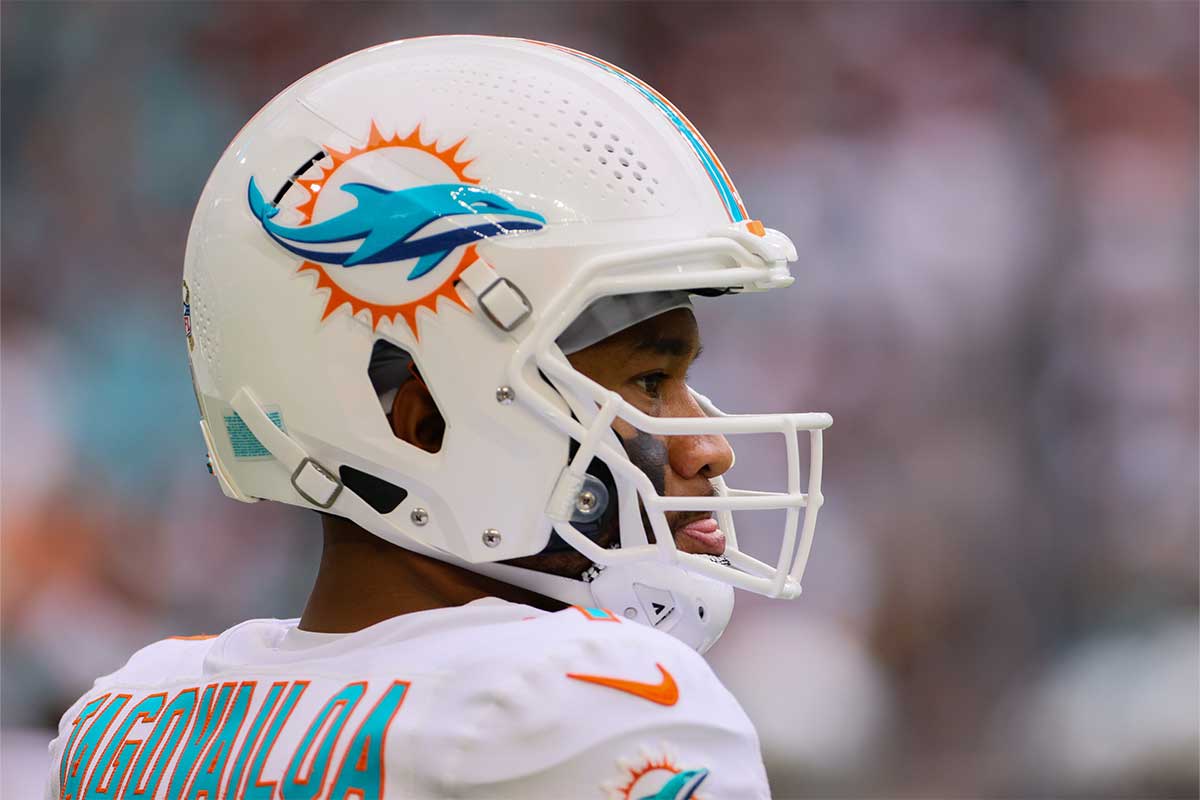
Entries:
{"x":243,"y":441}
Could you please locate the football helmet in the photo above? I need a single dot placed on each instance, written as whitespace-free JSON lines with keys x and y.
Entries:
{"x":466,"y":200}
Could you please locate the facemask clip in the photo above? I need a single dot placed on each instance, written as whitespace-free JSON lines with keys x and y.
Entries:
{"x":577,"y":498}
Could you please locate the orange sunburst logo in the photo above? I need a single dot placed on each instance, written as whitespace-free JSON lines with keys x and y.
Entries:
{"x":341,"y":294}
{"x":663,"y":765}
{"x":650,"y":778}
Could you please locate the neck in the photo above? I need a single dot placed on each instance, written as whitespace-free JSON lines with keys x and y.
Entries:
{"x":364,"y":580}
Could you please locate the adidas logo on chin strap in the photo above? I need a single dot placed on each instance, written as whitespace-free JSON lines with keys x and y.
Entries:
{"x":658,"y":602}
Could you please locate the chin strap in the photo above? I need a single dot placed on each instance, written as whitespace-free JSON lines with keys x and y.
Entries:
{"x":310,"y":479}
{"x":689,"y":607}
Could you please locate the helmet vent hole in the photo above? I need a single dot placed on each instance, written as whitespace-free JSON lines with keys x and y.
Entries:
{"x":587,"y":131}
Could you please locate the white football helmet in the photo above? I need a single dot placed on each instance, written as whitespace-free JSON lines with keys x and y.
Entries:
{"x":466,"y":199}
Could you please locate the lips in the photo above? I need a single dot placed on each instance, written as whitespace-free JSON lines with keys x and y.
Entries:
{"x":701,"y":536}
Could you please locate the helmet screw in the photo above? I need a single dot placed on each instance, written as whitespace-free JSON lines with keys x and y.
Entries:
{"x":491,"y":537}
{"x":505,"y":395}
{"x":585,"y":501}
{"x":631,"y":613}
{"x":419,"y":516}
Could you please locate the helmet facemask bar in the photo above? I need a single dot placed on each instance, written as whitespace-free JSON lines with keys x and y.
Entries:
{"x":688,"y":265}
{"x":743,"y":571}
{"x":812,"y":504}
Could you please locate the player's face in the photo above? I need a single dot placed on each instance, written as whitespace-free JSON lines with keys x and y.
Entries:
{"x":648,"y":365}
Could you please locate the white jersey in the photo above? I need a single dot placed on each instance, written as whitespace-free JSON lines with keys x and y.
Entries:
{"x":487,"y":700}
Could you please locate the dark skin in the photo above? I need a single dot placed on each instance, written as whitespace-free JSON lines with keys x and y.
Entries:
{"x":364,"y":580}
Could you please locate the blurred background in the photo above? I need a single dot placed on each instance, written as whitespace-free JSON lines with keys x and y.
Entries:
{"x":996,"y":209}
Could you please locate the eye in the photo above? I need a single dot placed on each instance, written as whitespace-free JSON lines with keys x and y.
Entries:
{"x":651,"y":384}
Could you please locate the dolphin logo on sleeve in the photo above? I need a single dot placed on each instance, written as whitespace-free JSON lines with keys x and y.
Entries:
{"x":682,"y":787}
{"x":386,"y":224}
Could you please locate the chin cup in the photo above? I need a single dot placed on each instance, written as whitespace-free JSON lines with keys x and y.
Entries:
{"x":690,"y":607}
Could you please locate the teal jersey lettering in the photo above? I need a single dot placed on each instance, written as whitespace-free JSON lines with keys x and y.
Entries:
{"x":234,"y":785}
{"x":112,"y":767}
{"x":256,"y":787}
{"x":208,"y":718}
{"x":216,"y":742}
{"x":305,"y":782}
{"x":161,"y":745}
{"x":77,"y":724}
{"x":206,"y":785}
{"x":88,"y":744}
{"x":361,"y":772}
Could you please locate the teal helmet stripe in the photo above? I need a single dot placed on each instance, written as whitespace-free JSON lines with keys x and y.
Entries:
{"x":716,"y":173}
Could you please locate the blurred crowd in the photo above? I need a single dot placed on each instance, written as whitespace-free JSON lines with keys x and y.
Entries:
{"x":995,"y":206}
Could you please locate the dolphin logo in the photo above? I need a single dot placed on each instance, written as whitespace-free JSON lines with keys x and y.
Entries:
{"x":681,"y":787}
{"x":386,"y":222}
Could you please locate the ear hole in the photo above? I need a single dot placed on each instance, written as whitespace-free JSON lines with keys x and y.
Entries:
{"x":406,"y":400}
{"x":374,"y":491}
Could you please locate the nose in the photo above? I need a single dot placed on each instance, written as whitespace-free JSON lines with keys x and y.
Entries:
{"x":708,"y":456}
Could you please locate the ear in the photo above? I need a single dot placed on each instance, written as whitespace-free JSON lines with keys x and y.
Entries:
{"x":415,"y":417}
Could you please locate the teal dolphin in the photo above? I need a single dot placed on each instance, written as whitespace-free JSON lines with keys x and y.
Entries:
{"x":681,"y":787}
{"x":386,"y":222}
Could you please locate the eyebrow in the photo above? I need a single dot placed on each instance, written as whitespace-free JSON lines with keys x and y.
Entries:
{"x":669,"y":346}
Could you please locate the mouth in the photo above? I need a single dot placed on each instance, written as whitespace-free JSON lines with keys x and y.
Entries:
{"x":700,"y":534}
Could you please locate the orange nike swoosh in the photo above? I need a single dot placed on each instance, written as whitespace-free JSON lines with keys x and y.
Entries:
{"x":665,"y":692}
